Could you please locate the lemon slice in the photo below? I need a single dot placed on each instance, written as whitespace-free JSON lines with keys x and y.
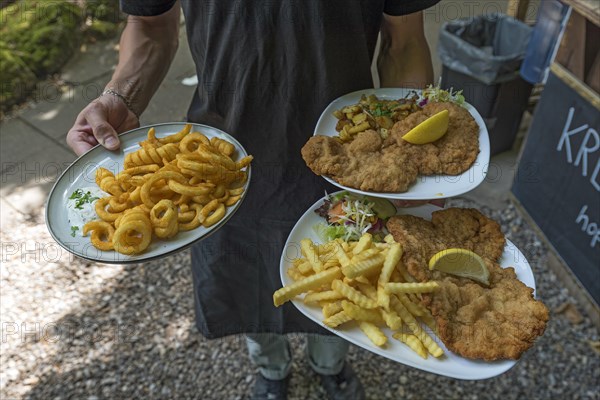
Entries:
{"x":461,"y":262}
{"x":429,"y":130}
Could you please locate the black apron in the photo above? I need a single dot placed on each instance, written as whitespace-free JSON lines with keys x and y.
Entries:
{"x":266,"y":70}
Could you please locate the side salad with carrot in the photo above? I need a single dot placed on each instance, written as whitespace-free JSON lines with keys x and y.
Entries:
{"x":349,"y":216}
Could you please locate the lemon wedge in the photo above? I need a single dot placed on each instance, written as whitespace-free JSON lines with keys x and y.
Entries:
{"x":429,"y":130}
{"x":461,"y":262}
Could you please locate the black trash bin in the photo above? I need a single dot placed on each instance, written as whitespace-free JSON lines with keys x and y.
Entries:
{"x":482,"y":56}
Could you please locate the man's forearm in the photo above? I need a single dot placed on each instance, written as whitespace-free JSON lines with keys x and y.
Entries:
{"x":409,"y":68}
{"x":146,"y":49}
{"x":404,"y":57}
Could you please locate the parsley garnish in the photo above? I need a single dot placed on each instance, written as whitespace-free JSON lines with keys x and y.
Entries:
{"x":73,"y":230}
{"x":82,"y":198}
{"x":380,"y":111}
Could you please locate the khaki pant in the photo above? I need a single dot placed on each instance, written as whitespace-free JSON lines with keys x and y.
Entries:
{"x":271,"y":353}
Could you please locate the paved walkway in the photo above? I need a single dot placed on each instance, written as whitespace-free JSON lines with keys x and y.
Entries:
{"x":33,"y":149}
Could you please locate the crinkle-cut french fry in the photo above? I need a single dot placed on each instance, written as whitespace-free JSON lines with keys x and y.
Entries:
{"x":362,"y":314}
{"x":294,"y":274}
{"x":320,"y":296}
{"x":417,"y":302}
{"x":363,"y":267}
{"x":337,"y":319}
{"x":330,"y":264}
{"x":391,"y":319}
{"x":410,"y":306}
{"x":424,"y":287}
{"x":364,"y":243}
{"x":325,"y":248}
{"x":415,"y":297}
{"x":391,"y":259}
{"x":368,"y":290}
{"x":374,"y":334}
{"x":308,"y":249}
{"x":411,"y":341}
{"x":304,"y":267}
{"x":332,"y":309}
{"x":346,"y":246}
{"x":353,"y":295}
{"x":342,"y":257}
{"x":287,"y":293}
{"x":298,"y":261}
{"x":368,"y":253}
{"x":430,"y":322}
{"x":362,"y":279}
{"x":389,"y":238}
{"x":414,"y":326}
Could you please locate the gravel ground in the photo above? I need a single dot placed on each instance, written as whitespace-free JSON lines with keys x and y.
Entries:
{"x":76,"y":330}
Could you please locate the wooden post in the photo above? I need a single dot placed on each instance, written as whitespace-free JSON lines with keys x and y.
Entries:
{"x":518,"y":9}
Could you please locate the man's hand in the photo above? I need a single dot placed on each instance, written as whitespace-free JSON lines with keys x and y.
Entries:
{"x":100,"y":122}
{"x":146,"y":49}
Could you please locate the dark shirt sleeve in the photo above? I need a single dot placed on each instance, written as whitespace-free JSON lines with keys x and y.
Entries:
{"x":404,"y":7}
{"x":146,"y":8}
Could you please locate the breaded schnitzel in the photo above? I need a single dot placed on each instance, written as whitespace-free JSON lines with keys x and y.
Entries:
{"x":490,"y":323}
{"x":372,"y":164}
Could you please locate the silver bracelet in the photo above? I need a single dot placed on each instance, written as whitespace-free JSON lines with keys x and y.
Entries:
{"x":123,"y":99}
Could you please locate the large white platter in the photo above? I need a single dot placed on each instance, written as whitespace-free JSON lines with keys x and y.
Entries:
{"x":81,"y":174}
{"x":425,"y":187}
{"x":450,"y":364}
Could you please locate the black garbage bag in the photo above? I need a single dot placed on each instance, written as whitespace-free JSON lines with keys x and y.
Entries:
{"x":489,"y":48}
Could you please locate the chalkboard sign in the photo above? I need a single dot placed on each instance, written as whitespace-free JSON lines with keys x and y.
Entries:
{"x":558,"y":178}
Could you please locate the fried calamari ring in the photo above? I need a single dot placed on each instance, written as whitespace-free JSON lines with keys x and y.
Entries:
{"x":102,"y":234}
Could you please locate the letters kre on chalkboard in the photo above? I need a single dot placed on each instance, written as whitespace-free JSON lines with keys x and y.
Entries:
{"x":558,"y":178}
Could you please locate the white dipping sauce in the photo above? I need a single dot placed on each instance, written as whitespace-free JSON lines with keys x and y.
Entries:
{"x":81,"y":212}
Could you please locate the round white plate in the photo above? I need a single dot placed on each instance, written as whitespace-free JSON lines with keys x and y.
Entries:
{"x":425,"y":187}
{"x":451,"y":365}
{"x":81,"y":174}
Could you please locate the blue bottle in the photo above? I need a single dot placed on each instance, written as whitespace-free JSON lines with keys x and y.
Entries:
{"x":551,"y":21}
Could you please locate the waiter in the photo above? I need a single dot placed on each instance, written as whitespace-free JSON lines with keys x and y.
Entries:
{"x":266,"y":71}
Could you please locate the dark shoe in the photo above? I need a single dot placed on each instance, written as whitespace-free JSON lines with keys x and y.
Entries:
{"x":343,"y":386}
{"x":267,"y":389}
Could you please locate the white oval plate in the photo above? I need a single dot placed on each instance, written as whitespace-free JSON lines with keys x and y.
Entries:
{"x":425,"y":187}
{"x":81,"y":174}
{"x":451,"y":365}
